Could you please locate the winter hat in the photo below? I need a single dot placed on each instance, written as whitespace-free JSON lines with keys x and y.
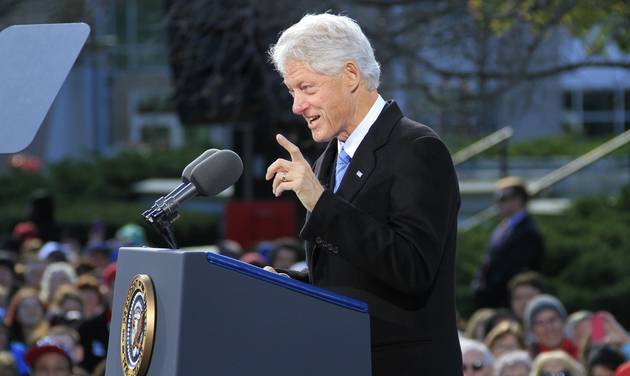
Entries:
{"x":539,"y":304}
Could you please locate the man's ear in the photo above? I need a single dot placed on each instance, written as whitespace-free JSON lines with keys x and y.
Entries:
{"x":351,"y":75}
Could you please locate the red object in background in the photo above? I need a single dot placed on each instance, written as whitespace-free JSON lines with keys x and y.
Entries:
{"x":623,"y":370}
{"x":25,"y":162}
{"x":249,"y":222}
{"x":598,"y":332}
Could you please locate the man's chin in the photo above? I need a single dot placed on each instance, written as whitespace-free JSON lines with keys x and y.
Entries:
{"x":319,"y":137}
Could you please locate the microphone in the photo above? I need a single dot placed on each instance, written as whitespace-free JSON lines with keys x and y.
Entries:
{"x":211,"y":176}
{"x":188,"y":169}
{"x":186,"y":173}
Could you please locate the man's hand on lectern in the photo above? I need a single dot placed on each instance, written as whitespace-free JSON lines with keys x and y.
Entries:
{"x":272,"y":270}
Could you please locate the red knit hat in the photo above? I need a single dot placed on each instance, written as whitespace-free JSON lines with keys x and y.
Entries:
{"x":623,"y":370}
{"x":46,"y":346}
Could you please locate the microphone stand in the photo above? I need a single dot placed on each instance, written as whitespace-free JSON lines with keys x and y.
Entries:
{"x":162,"y":221}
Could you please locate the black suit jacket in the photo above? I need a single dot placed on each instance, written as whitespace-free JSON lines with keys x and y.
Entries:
{"x":387,"y":237}
{"x":520,"y":249}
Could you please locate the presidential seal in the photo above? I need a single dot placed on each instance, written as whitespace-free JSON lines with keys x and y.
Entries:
{"x":138,"y":326}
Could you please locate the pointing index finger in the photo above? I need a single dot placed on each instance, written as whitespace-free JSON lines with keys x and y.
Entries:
{"x":293,"y":150}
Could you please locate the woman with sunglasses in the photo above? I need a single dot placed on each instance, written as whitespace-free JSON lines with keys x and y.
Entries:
{"x":476,"y":358}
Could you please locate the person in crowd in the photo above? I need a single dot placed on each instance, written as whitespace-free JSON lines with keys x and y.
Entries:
{"x":603,"y":361}
{"x":513,"y":363}
{"x":99,"y":254}
{"x":56,"y":275}
{"x":49,"y":357}
{"x":23,"y":232}
{"x":69,"y":339}
{"x":27,"y":323}
{"x":516,"y":245}
{"x":476,"y":358}
{"x":130,"y":235}
{"x":94,"y":330}
{"x":505,"y":337}
{"x":578,"y":326}
{"x":556,"y":363}
{"x":578,"y":330}
{"x":42,"y":214}
{"x":4,"y":336}
{"x":53,"y":252}
{"x":230,"y":248}
{"x":524,"y":287}
{"x":476,"y":326}
{"x":500,"y":315}
{"x":285,"y":253}
{"x":616,"y":335}
{"x":7,"y":364}
{"x":623,"y":370}
{"x":31,"y":270}
{"x":612,"y":334}
{"x":66,"y":307}
{"x":92,"y":298}
{"x":29,"y":248}
{"x":4,"y":301}
{"x":25,"y":317}
{"x":7,"y":272}
{"x":254,"y":258}
{"x":381,"y":201}
{"x":544,"y":319}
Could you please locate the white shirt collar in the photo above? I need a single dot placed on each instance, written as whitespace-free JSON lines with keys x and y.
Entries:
{"x":354,"y":140}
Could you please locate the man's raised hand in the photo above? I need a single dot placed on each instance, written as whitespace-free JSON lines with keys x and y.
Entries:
{"x":294,"y":175}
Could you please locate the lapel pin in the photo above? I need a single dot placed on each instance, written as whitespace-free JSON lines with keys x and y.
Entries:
{"x":359,"y":174}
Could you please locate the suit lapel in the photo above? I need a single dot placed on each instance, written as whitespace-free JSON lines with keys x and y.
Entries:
{"x":364,"y":160}
{"x":325,"y":164}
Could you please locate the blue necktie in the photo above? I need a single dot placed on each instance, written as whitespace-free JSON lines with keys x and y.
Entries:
{"x":343,"y":160}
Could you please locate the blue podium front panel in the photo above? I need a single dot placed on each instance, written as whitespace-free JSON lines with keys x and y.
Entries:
{"x":219,"y":316}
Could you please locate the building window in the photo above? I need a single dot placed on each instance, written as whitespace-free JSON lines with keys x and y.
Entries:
{"x":567,"y":100}
{"x":598,"y":128}
{"x":599,"y":100}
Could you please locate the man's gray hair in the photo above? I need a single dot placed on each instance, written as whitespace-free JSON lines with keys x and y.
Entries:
{"x":326,"y":42}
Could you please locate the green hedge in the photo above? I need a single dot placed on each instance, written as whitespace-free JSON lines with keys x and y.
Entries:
{"x":92,"y":177}
{"x":588,"y":256}
{"x":99,"y":187}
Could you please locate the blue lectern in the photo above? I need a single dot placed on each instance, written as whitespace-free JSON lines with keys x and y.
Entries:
{"x":213,"y":315}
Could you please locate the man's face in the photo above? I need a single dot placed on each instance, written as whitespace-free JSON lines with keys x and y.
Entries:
{"x":508,"y":206}
{"x":521,"y":295}
{"x":52,"y":364}
{"x":548,"y":329}
{"x":325,"y":102}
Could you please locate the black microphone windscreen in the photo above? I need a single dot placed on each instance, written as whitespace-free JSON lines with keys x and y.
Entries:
{"x":202,"y":157}
{"x":217,"y":172}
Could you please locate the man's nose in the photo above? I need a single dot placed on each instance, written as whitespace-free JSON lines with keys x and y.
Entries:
{"x":299,"y":104}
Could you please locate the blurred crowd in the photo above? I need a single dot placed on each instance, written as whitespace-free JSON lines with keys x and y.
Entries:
{"x":536,"y":336}
{"x":56,"y":292}
{"x":520,"y":328}
{"x":56,"y":296}
{"x":55,"y":299}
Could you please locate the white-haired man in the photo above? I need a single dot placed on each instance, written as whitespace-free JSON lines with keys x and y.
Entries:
{"x":382,"y":200}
